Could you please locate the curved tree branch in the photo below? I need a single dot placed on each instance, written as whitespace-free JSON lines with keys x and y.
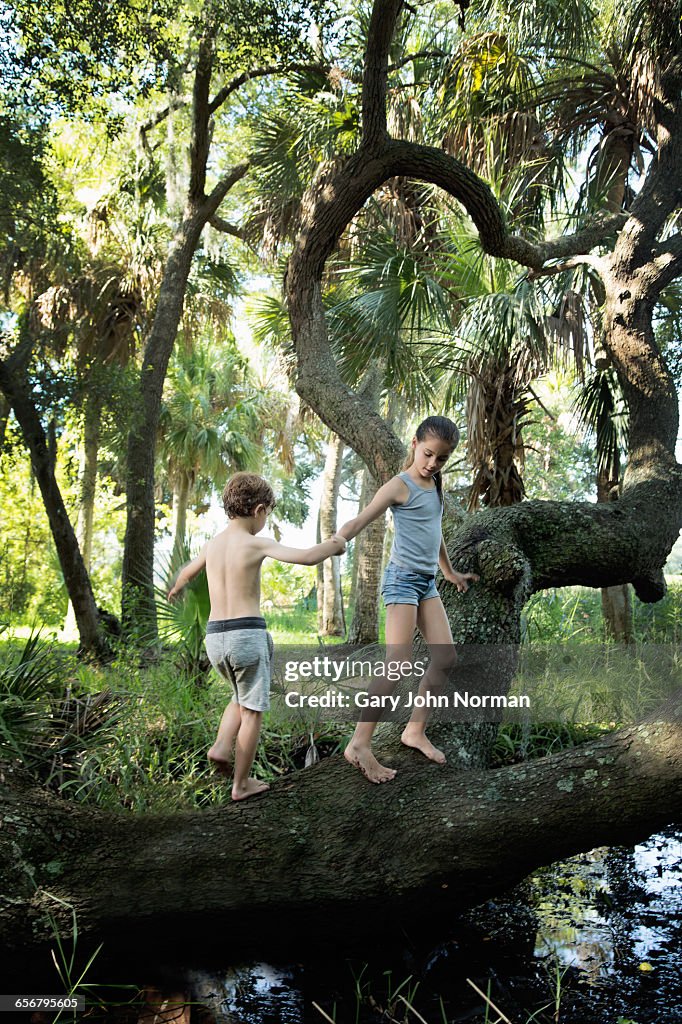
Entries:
{"x":652,"y":474}
{"x":667,"y":262}
{"x":379,"y":37}
{"x":227,"y":229}
{"x":660,"y":195}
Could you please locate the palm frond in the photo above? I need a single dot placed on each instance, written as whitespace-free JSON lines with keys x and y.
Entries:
{"x":602,"y":411}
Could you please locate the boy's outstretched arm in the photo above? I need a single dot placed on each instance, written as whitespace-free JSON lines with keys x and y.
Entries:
{"x":336,"y":545}
{"x":187,"y":573}
{"x":392,"y":493}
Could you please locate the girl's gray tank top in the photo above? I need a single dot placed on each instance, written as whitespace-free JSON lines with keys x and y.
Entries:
{"x":416,"y":544}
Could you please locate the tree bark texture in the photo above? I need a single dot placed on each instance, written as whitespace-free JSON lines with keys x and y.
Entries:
{"x":616,"y":602}
{"x":330,"y":602}
{"x":71,"y":562}
{"x":369,"y":550}
{"x":498,"y":454}
{"x":441,"y":840}
{"x":91,"y":436}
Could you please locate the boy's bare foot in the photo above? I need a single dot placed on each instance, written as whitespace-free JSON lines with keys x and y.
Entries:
{"x":420,"y":741}
{"x":221,"y":763}
{"x":364,"y":759}
{"x":252,"y":787}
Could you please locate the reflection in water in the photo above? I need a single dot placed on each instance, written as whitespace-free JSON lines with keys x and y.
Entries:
{"x":258,"y":993}
{"x":616,"y":916}
{"x":611,"y":920}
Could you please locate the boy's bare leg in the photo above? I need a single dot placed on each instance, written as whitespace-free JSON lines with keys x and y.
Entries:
{"x":221,"y":754}
{"x":435,"y":628}
{"x":243,"y":785}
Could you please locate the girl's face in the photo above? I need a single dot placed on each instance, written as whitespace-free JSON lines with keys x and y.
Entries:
{"x":430,"y":455}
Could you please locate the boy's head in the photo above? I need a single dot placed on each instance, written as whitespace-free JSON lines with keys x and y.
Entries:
{"x":244,"y":492}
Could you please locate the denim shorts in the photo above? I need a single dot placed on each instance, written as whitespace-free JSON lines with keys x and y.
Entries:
{"x":402,"y":586}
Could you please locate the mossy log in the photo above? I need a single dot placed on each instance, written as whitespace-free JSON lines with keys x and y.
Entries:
{"x":325,"y":856}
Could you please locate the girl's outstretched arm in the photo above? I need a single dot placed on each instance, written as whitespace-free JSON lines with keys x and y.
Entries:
{"x":395,"y":492}
{"x":460,"y":579}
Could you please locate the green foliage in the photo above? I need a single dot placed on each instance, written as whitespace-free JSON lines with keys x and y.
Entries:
{"x":74,"y":53}
{"x":602,"y":410}
{"x":27,"y":197}
{"x":284,"y":589}
{"x":574,"y":613}
{"x":183,"y":622}
{"x":29,"y":680}
{"x":210,"y":415}
{"x":30,"y":575}
{"x":293,"y":490}
{"x":559,"y":461}
{"x":516,"y":743}
{"x":47,"y":723}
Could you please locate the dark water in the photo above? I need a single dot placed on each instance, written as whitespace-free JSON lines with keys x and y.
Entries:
{"x":596,"y":939}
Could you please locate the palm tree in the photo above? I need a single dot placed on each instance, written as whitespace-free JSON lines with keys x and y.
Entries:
{"x":602,"y":411}
{"x":209,"y":423}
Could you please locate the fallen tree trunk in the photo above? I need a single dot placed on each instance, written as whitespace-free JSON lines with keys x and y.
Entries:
{"x":325,"y":856}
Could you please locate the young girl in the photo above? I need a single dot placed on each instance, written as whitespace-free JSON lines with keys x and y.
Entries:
{"x":415,"y":498}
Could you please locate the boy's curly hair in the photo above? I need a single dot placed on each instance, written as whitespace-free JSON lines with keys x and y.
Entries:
{"x":244,"y":491}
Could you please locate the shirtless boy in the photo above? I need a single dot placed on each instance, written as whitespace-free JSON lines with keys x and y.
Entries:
{"x":237,"y":642}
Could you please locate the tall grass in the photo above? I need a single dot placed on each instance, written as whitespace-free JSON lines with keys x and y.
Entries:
{"x":574,"y":613}
{"x":134,"y":736}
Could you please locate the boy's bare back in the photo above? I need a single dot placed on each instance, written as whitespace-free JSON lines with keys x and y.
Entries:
{"x":233,"y":565}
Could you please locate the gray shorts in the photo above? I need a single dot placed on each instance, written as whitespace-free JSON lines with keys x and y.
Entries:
{"x":242,"y":651}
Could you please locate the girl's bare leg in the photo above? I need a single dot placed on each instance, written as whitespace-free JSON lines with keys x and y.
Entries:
{"x":243,"y":785}
{"x":221,"y":754}
{"x":401,"y":621}
{"x":434,"y":626}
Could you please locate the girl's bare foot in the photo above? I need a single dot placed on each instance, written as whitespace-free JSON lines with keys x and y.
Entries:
{"x":420,"y":741}
{"x":364,"y":759}
{"x":252,"y":787}
{"x":221,"y":762}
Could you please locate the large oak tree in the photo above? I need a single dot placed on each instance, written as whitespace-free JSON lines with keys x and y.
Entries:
{"x":324,"y":842}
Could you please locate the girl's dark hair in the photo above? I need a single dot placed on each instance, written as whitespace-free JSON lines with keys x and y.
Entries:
{"x":442,"y":428}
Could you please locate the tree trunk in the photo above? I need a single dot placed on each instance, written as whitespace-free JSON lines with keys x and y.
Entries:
{"x":494,"y":413}
{"x":5,"y":409}
{"x":616,"y":602}
{"x":369,"y":550}
{"x":330,"y":617}
{"x":441,"y":840}
{"x":71,"y":562}
{"x":572,"y":543}
{"x":91,"y":438}
{"x":138,"y":608}
{"x":181,"y":491}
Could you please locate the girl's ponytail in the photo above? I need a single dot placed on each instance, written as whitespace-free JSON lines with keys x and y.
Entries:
{"x":445,"y":430}
{"x":438,"y":481}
